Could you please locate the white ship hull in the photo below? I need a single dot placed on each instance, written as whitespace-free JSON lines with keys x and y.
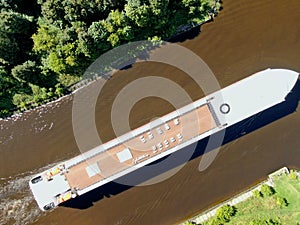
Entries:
{"x":220,"y":110}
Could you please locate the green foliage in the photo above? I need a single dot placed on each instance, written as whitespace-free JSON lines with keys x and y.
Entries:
{"x":188,"y":223}
{"x":69,"y":11}
{"x":20,"y":100}
{"x":282,"y":202}
{"x":73,"y":33}
{"x":5,"y":103}
{"x":257,"y":194}
{"x":7,"y":86}
{"x":63,"y":53}
{"x":215,"y":221}
{"x":127,"y":33}
{"x":15,"y":32}
{"x":27,"y":72}
{"x":293,"y":175}
{"x":8,"y":48}
{"x":46,"y":38}
{"x":273,"y":210}
{"x":46,"y":43}
{"x":98,"y":31}
{"x":6,"y":81}
{"x":224,"y":213}
{"x":28,"y":7}
{"x":264,"y":222}
{"x":114,"y":40}
{"x":255,"y":222}
{"x":138,"y":13}
{"x":16,"y":29}
{"x":267,"y":190}
{"x":59,"y":91}
{"x":39,"y":95}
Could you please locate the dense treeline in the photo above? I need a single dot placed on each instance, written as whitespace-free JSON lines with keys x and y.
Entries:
{"x":45,"y":45}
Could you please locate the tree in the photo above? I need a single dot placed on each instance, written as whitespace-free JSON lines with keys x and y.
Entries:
{"x":198,"y":8}
{"x":98,"y":34}
{"x":116,"y":18}
{"x":7,"y":86}
{"x":215,"y":221}
{"x":114,"y":40}
{"x":59,"y":91}
{"x":60,"y":49}
{"x":27,"y":72}
{"x":15,"y":32}
{"x":225,"y":213}
{"x":264,"y":222}
{"x":255,"y":222}
{"x":267,"y":190}
{"x":6,"y":82}
{"x":47,"y":37}
{"x":28,"y":7}
{"x":293,"y":175}
{"x":46,"y":43}
{"x":98,"y":31}
{"x":69,"y":11}
{"x":138,"y":13}
{"x":282,"y":202}
{"x":257,"y":194}
{"x":189,"y":223}
{"x":8,"y":49}
{"x":127,"y":33}
{"x":20,"y":100}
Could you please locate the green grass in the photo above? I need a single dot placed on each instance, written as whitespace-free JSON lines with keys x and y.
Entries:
{"x":264,"y":208}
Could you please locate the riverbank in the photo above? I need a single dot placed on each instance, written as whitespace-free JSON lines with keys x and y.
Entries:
{"x":238,"y":43}
{"x":21,"y":102}
{"x":44,"y":108}
{"x":256,"y":191}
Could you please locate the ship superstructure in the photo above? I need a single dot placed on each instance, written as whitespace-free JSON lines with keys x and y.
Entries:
{"x":162,"y":137}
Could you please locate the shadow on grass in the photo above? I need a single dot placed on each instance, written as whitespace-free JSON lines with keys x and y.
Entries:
{"x":232,"y":133}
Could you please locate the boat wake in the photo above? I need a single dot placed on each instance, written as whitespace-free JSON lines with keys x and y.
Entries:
{"x":17,"y":204}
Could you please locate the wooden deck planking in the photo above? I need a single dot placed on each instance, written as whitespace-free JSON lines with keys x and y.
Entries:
{"x":109,"y":163}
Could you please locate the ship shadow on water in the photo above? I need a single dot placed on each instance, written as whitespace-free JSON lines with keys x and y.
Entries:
{"x":154,"y":169}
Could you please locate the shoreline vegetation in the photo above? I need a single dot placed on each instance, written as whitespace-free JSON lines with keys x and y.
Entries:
{"x":46,"y":45}
{"x":274,"y":201}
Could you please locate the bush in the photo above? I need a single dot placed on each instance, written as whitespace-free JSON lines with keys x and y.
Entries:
{"x":264,"y":222}
{"x":20,"y":100}
{"x":282,"y":202}
{"x":255,"y":222}
{"x":272,"y":222}
{"x":225,"y":213}
{"x":267,"y":190}
{"x":257,"y":194}
{"x":215,"y":221}
{"x":26,"y":72}
{"x":59,"y":91}
{"x":189,"y":223}
{"x":4,"y":112}
{"x":293,"y":175}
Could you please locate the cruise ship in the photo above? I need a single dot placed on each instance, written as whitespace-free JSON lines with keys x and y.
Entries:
{"x":161,"y":137}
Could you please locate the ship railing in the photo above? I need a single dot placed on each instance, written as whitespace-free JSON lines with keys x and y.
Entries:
{"x":214,"y":115}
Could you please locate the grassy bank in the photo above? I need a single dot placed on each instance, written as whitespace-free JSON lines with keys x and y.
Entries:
{"x":278,"y":204}
{"x":258,"y":210}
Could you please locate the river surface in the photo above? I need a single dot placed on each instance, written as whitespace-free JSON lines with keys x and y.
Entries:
{"x":246,"y":37}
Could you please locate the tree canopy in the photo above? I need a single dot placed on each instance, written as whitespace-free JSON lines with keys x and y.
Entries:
{"x":49,"y":43}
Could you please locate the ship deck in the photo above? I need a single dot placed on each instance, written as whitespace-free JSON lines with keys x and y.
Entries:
{"x":140,"y":148}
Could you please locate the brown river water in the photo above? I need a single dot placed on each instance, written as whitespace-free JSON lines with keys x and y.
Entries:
{"x":246,"y":37}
